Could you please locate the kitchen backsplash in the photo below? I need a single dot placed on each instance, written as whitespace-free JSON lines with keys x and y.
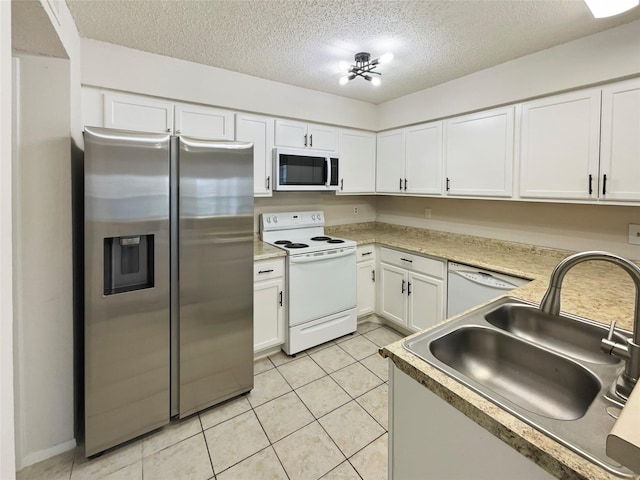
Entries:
{"x":565,"y":226}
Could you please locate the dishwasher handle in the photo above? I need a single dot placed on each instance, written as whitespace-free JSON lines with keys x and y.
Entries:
{"x":484,"y":279}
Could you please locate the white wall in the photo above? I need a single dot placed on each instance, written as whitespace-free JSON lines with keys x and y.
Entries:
{"x":43,"y":281}
{"x":604,"y":56}
{"x":338,"y":209}
{"x":565,"y":226}
{"x":7,"y":446}
{"x":119,"y":68}
{"x":48,"y":121}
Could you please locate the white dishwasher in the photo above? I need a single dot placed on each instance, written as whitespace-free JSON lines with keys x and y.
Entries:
{"x":470,"y":286}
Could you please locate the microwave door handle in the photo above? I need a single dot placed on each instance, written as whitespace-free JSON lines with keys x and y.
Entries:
{"x":327,"y":179}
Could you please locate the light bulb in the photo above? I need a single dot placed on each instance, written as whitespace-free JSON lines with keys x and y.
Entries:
{"x":344,"y":80}
{"x":609,"y":8}
{"x":344,"y":66}
{"x":386,"y":58}
{"x":375,"y":81}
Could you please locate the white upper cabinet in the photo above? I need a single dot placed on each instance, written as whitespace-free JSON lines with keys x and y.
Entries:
{"x":145,"y":114}
{"x":204,"y":122}
{"x":138,"y":113}
{"x":423,"y":159}
{"x":259,"y":130}
{"x":479,"y":153}
{"x":290,"y":133}
{"x":559,"y":146}
{"x":410,"y":160}
{"x":390,"y":162}
{"x":357,"y":161}
{"x":620,"y":142}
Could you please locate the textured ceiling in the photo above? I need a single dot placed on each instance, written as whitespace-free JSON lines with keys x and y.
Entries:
{"x":301,"y":42}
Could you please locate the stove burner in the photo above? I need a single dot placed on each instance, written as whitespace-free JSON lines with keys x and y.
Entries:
{"x":320,"y":239}
{"x":335,"y":240}
{"x":296,"y":245}
{"x":283,"y":242}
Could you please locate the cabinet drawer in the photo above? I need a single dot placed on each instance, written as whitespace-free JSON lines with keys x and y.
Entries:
{"x":266,"y":269}
{"x":366,"y":252}
{"x":417,"y":263}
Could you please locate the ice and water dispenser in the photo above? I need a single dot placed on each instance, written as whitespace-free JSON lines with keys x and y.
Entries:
{"x":128,"y":263}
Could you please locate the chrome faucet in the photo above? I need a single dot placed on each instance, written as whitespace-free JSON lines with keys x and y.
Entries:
{"x":630,"y":352}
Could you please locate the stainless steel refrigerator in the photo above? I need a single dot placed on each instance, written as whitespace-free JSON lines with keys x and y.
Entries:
{"x":168,"y":242}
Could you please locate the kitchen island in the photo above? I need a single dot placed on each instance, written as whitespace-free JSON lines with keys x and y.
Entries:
{"x":595,"y":290}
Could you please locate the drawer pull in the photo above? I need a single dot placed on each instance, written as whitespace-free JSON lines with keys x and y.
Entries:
{"x":406,"y":260}
{"x":366,"y":253}
{"x":265,"y":271}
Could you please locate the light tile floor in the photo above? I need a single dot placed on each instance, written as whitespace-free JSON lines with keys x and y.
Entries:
{"x":322,"y":414}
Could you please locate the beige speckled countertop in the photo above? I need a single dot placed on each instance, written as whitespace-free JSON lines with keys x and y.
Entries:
{"x":264,"y":251}
{"x":596,"y":290}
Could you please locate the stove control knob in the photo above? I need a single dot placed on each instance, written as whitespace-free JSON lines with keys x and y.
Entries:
{"x":319,"y":217}
{"x":313,"y":216}
{"x":275,"y":219}
{"x":268,"y":219}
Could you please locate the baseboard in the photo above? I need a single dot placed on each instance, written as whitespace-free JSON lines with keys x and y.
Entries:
{"x":41,"y":455}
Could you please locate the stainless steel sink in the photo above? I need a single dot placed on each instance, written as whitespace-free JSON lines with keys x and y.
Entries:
{"x":549,"y":374}
{"x":535,"y":379}
{"x":573,"y":336}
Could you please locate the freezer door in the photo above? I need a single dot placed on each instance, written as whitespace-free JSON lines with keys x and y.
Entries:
{"x":215,"y":271}
{"x":126,"y":255}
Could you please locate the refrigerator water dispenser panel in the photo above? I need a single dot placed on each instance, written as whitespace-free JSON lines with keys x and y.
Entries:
{"x":128,"y":263}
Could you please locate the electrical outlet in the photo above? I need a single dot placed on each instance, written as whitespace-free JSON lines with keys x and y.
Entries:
{"x":355,"y":210}
{"x":427,"y":213}
{"x":634,"y":234}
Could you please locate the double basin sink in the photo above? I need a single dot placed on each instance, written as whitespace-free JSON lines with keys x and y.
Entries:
{"x":546,"y":370}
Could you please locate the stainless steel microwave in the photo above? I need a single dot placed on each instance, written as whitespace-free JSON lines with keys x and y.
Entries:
{"x":305,"y":170}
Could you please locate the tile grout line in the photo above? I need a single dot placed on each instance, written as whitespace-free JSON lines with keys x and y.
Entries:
{"x":206,"y":444}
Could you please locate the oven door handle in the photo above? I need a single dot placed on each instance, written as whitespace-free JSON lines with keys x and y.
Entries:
{"x":320,"y":258}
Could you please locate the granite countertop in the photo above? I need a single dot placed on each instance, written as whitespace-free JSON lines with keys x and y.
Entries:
{"x":264,"y":251}
{"x":596,"y":290}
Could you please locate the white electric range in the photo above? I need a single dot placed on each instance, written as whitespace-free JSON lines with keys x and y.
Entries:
{"x":321,"y":278}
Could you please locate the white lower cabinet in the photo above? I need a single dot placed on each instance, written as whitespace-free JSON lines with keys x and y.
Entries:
{"x":268,"y":304}
{"x":366,"y":278}
{"x":428,"y":438}
{"x":412,"y":289}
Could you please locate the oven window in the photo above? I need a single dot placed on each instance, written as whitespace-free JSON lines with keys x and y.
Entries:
{"x":296,"y":170}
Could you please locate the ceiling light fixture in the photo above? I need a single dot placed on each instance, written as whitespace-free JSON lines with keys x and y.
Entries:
{"x":609,"y":8}
{"x":364,"y":68}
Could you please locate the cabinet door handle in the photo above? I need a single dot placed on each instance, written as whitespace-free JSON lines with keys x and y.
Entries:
{"x":268,"y":182}
{"x":448,"y":184}
{"x":168,"y":130}
{"x":342,"y":184}
{"x":265,"y":271}
{"x":403,"y":282}
{"x":604,"y":184}
{"x":405,"y":184}
{"x":373,"y":276}
{"x":590,"y":184}
{"x":305,"y":139}
{"x":311,"y":140}
{"x":408,"y":288}
{"x":280,"y":297}
{"x":406,"y":260}
{"x":400,"y":187}
{"x":178,"y":132}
